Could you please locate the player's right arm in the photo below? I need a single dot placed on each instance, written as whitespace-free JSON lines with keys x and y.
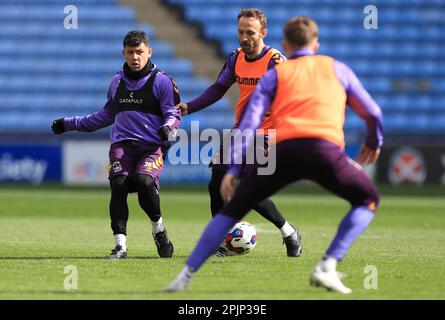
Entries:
{"x":100,"y":119}
{"x":216,"y":91}
{"x":361,"y":102}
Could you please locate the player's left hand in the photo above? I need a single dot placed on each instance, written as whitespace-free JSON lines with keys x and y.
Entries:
{"x":228,"y":186}
{"x":58,"y":126}
{"x":367,"y":155}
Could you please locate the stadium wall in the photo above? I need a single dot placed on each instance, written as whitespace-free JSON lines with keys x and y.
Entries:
{"x":85,"y":163}
{"x":412,"y":164}
{"x":80,"y":163}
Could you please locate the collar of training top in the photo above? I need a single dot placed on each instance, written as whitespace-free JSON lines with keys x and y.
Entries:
{"x":136,"y":75}
{"x":301,"y":52}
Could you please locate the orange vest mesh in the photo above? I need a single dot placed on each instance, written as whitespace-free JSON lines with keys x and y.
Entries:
{"x":248,"y":74}
{"x":310,"y":101}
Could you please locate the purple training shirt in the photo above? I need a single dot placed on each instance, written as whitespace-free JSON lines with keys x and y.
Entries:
{"x":133,"y":125}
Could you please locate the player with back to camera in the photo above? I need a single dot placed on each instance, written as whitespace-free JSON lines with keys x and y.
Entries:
{"x":246,"y":65}
{"x":307,"y":96}
{"x":141,"y":107}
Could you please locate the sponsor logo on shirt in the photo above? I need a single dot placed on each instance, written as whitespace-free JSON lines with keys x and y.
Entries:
{"x":131,"y":100}
{"x":247,"y":81}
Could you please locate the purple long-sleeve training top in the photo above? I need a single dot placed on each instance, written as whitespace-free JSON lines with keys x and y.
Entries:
{"x":225,"y":80}
{"x":357,"y":98}
{"x":133,"y":125}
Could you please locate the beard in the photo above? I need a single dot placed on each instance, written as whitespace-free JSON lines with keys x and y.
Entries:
{"x":249,"y":47}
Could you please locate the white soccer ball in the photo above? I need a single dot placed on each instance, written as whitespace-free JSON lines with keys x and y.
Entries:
{"x":241,"y":239}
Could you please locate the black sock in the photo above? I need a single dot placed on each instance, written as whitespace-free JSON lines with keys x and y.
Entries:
{"x":266,"y":207}
{"x":268,"y":210}
{"x":216,"y":201}
{"x":118,"y":204}
{"x":148,"y":195}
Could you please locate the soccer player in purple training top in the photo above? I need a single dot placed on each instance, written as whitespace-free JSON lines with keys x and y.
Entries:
{"x":307,"y":96}
{"x":141,"y":107}
{"x":246,"y":66}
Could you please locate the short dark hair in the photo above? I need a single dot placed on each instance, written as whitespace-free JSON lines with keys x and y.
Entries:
{"x":300,"y":31}
{"x":254,"y":13}
{"x":135,"y":38}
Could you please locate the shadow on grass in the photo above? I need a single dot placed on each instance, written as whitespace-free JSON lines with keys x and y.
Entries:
{"x":82,"y":258}
{"x":177,"y":295}
{"x":81,"y":292}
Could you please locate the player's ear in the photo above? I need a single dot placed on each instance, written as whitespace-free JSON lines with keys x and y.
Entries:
{"x":150,"y":52}
{"x":315,"y":45}
{"x":264,"y":33}
{"x":123,"y":53}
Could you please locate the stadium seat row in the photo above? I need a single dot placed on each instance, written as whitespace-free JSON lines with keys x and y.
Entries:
{"x":174,"y":67}
{"x":327,"y":32}
{"x":55,"y":2}
{"x":41,"y":13}
{"x":320,"y":3}
{"x":83,"y":106}
{"x":40,"y":122}
{"x":85,"y":103}
{"x":56,"y":32}
{"x":71,"y":49}
{"x":92,"y":77}
{"x":387,"y":50}
{"x":279,"y":15}
{"x":67,"y":83}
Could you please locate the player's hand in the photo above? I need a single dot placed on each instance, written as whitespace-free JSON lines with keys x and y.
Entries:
{"x":57,"y":126}
{"x":164,"y":132}
{"x":183,"y":107}
{"x":367,"y":155}
{"x":228,"y":186}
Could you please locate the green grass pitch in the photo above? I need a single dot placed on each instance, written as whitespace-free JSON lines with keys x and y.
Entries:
{"x":44,"y":230}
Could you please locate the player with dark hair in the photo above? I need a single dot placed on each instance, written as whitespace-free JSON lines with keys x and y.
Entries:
{"x":141,"y":107}
{"x":245,"y":66}
{"x":307,"y":97}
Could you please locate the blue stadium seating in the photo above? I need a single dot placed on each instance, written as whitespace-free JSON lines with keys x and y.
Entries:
{"x":401,"y":63}
{"x":49,"y":72}
{"x":57,"y":48}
